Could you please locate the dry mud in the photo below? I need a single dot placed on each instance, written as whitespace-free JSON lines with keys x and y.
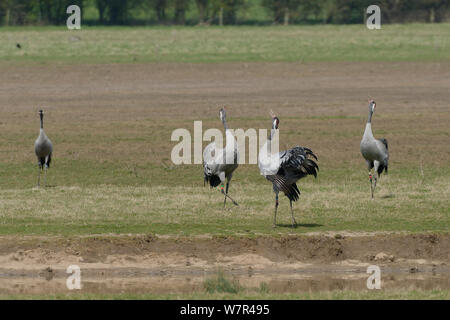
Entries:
{"x":159,"y":265}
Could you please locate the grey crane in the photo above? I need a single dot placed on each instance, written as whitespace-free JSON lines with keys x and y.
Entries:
{"x":219,"y":165}
{"x":43,"y":148}
{"x":375,"y":151}
{"x":285,"y":168}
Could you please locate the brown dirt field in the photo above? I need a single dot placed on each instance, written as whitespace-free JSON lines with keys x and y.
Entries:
{"x":151,"y":100}
{"x":152,"y":264}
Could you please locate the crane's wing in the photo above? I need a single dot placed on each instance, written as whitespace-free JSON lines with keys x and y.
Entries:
{"x":210,"y":167}
{"x":207,"y":153}
{"x":384,"y":164}
{"x":384,"y":141}
{"x":298,"y":161}
{"x":295,"y":164}
{"x":282,"y":183}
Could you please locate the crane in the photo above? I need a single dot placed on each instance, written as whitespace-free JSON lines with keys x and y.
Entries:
{"x":375,"y":151}
{"x":220,"y":167}
{"x":285,"y":168}
{"x":43,"y":148}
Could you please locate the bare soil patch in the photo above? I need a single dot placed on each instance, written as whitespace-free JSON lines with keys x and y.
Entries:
{"x":148,"y":263}
{"x":100,"y":110}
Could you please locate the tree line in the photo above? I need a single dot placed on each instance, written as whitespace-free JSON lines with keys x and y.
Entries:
{"x":221,"y":12}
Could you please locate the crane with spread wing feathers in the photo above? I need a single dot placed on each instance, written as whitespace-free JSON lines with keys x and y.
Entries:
{"x":375,"y":151}
{"x":285,"y":168}
{"x":219,"y":164}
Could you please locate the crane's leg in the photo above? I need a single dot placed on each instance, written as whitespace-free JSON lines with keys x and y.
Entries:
{"x":276,"y":208}
{"x":39,"y":175}
{"x":226,"y":193}
{"x":227,"y":196}
{"x":370,"y":165}
{"x":294,"y":223}
{"x":223,"y":192}
{"x":45,"y":176}
{"x":375,"y":175}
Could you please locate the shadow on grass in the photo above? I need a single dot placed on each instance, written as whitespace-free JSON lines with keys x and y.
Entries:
{"x":48,"y":186}
{"x":388,"y":196}
{"x":306,"y":225}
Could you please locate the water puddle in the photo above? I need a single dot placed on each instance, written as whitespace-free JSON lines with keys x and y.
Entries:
{"x":150,"y":281}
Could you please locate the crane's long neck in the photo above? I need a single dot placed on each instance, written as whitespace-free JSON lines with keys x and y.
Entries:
{"x":42,"y":120}
{"x":269,"y":142}
{"x":267,"y":161}
{"x":369,"y":119}
{"x":368,"y":131}
{"x":225,"y":125}
{"x":266,"y":149}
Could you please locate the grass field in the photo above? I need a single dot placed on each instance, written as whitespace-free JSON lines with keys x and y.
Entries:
{"x":404,"y":204}
{"x":412,"y":42}
{"x":113,"y":96}
{"x":112,"y":170}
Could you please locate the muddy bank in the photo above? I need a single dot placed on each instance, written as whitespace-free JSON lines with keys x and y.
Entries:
{"x":148,"y":263}
{"x":169,"y":284}
{"x":283,"y":249}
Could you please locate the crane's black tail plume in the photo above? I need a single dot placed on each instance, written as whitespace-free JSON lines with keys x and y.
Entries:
{"x":310,"y":153}
{"x":293,"y":193}
{"x":311,"y":167}
{"x":383,"y":165}
{"x":212,"y":179}
{"x":301,"y":160}
{"x":49,"y":160}
{"x":298,"y":163}
{"x":42,"y":162}
{"x":385,"y":143}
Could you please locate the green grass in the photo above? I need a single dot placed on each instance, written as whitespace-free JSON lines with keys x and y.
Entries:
{"x":221,"y":284}
{"x":94,"y":189}
{"x":85,"y":201}
{"x":322,"y":43}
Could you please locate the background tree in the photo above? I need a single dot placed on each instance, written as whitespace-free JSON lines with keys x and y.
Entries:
{"x":435,"y":9}
{"x":180,"y":11}
{"x":398,"y":11}
{"x":281,"y":10}
{"x":120,"y":12}
{"x":101,"y":7}
{"x":160,"y":7}
{"x":329,"y":10}
{"x":350,"y":11}
{"x":227,"y":10}
{"x":202,"y":8}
